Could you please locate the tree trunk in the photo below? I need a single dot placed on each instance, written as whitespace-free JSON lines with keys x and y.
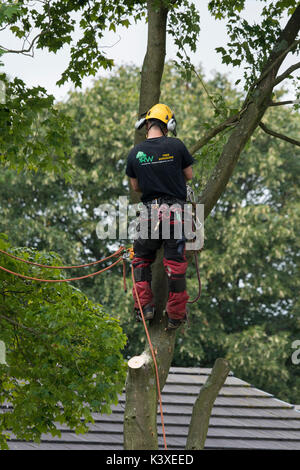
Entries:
{"x":140,"y":418}
{"x":140,"y":414}
{"x":152,"y":69}
{"x":154,"y":61}
{"x":203,"y":405}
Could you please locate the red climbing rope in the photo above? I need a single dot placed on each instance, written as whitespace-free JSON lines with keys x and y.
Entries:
{"x":153,"y":357}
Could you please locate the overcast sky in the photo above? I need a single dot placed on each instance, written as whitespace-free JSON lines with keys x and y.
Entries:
{"x":130,"y":45}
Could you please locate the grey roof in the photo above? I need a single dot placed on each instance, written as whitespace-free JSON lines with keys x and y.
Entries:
{"x":243,"y":417}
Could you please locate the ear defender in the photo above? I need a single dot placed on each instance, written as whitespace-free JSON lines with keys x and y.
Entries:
{"x":140,"y":123}
{"x":171,"y":126}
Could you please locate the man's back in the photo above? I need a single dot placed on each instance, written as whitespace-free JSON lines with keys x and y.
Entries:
{"x":158,"y":165}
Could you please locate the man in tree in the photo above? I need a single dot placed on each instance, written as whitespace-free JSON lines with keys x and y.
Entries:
{"x":159,"y":168}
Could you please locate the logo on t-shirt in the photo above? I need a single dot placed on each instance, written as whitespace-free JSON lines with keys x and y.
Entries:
{"x":144,"y":158}
{"x":166,"y":157}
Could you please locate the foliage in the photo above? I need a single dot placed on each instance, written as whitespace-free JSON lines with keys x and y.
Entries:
{"x":250,"y":44}
{"x":249,"y":268}
{"x":56,"y":23}
{"x":34,"y":133}
{"x":184,"y":27}
{"x":245,"y":351}
{"x":248,"y":309}
{"x":63,"y":352}
{"x":64,"y":215}
{"x":248,"y":265}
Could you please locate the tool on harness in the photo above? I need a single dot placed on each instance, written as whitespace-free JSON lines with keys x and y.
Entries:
{"x":131,"y":253}
{"x":197,"y":225}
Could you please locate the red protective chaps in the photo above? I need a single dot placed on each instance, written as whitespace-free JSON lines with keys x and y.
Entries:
{"x":175,"y":266}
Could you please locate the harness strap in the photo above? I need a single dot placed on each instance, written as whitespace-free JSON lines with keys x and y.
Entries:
{"x":142,"y":274}
{"x":177,"y":285}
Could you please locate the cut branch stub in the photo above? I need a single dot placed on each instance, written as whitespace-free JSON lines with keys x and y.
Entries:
{"x":138,"y":361}
{"x":140,"y":425}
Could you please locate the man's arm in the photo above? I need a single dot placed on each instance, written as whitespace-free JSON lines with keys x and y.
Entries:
{"x":188,"y":173}
{"x":135,"y":185}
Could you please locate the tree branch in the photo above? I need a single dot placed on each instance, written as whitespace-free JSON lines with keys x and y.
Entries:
{"x":273,"y":63}
{"x":255,"y":105}
{"x":282,"y":103}
{"x":15,"y":323}
{"x":285,"y":74}
{"x":23,"y":51}
{"x":279,"y":136}
{"x":29,"y":49}
{"x":213,"y":132}
{"x":202,"y":408}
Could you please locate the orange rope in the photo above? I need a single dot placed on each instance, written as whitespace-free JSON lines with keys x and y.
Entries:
{"x":153,"y":356}
{"x":90,"y":275}
{"x":119,"y":251}
{"x":61,"y":280}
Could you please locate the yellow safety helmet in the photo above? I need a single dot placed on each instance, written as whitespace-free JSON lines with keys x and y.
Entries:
{"x":163,"y":113}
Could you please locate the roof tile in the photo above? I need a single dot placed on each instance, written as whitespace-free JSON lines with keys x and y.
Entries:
{"x":243,"y":417}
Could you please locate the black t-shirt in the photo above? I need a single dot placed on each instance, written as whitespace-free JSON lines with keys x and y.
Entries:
{"x":158,"y":165}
